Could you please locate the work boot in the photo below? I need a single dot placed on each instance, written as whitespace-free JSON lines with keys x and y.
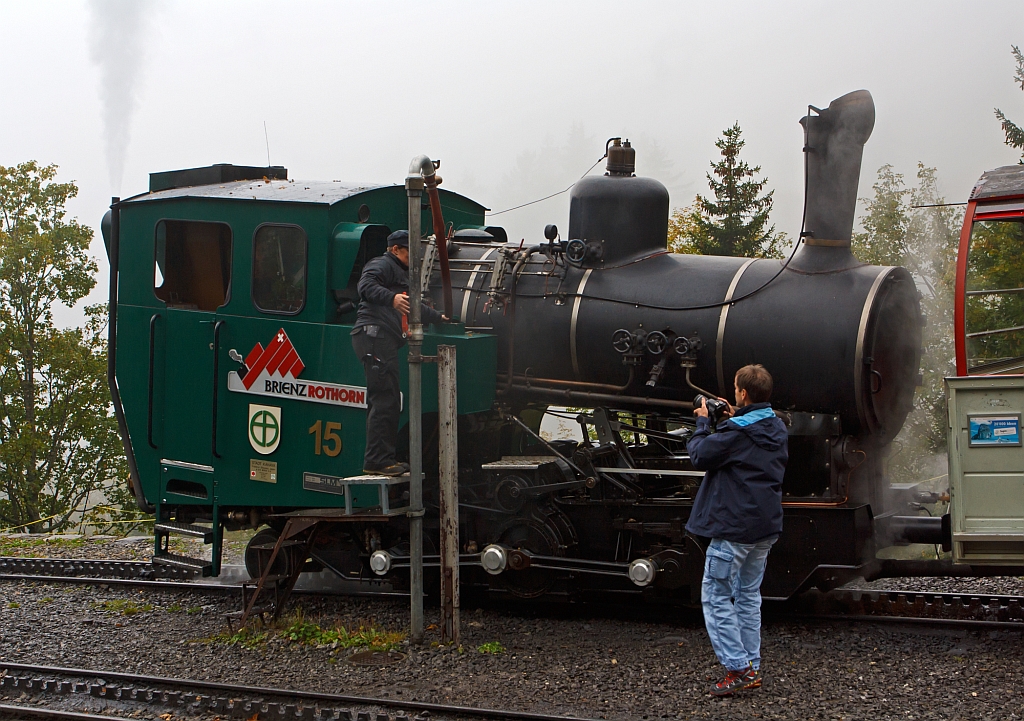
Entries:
{"x":736,"y":681}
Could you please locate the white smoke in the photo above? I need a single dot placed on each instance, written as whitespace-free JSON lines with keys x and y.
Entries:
{"x":116,"y":35}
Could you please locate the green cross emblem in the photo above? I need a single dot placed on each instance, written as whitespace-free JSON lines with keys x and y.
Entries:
{"x":263,"y":429}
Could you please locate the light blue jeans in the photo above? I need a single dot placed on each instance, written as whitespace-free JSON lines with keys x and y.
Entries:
{"x":731,"y":597}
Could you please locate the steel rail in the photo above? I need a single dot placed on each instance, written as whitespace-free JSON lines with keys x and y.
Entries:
{"x":910,"y":620}
{"x":262,"y":692}
{"x":198,"y":586}
{"x":132,"y":582}
{"x":42,"y":712}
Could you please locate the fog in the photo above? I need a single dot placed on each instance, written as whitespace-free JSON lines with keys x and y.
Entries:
{"x":516,"y":99}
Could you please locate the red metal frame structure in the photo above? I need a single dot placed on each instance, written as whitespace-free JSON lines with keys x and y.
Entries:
{"x":998,"y":195}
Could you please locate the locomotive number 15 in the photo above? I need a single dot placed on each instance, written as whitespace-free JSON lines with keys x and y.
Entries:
{"x":327,"y":439}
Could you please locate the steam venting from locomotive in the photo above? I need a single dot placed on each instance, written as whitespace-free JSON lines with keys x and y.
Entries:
{"x":116,"y":35}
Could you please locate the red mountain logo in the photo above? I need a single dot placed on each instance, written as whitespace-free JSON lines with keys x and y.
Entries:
{"x":279,"y":357}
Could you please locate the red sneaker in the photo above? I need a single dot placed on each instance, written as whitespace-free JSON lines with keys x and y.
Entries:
{"x":736,"y":681}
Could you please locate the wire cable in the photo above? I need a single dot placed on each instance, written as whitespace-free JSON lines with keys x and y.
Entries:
{"x":548,"y":197}
{"x":705,"y":306}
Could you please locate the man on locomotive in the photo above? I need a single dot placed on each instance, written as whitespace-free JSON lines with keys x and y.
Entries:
{"x":739,"y":508}
{"x":380,"y":330}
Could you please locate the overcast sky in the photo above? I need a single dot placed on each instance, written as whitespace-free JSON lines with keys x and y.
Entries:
{"x":516,"y":99}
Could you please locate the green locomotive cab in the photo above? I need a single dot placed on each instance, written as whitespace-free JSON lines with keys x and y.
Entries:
{"x":234,"y":300}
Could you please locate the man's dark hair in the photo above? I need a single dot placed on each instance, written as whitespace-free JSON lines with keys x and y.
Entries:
{"x":756,"y":381}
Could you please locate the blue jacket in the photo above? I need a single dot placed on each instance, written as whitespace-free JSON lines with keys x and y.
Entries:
{"x":740,"y":498}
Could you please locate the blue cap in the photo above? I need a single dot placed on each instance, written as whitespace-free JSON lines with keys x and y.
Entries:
{"x":399,"y":237}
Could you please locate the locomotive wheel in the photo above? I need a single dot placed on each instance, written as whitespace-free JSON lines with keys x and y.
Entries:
{"x":283,"y":564}
{"x":544,"y":534}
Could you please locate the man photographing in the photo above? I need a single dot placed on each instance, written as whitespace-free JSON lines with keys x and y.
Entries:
{"x":380,"y":330}
{"x":739,"y":508}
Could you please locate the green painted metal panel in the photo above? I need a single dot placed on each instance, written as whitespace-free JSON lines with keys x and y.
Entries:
{"x":170,"y":403}
{"x":986,"y":468}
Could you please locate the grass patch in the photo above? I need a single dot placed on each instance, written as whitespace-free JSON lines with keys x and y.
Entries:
{"x":122,"y":606}
{"x":19,"y":546}
{"x":493,"y":647}
{"x":13,"y":604}
{"x":245,"y":637}
{"x":175,"y":608}
{"x":46,"y":599}
{"x":193,"y":610}
{"x":296,"y":629}
{"x":307,"y":633}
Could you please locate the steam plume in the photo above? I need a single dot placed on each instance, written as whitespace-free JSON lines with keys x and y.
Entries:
{"x":116,"y":46}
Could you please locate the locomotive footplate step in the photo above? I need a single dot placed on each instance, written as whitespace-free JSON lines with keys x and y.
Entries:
{"x":185,"y":529}
{"x":364,"y":493}
{"x":522,"y":463}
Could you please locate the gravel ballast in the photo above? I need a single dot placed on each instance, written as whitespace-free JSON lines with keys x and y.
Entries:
{"x":595,"y":666}
{"x":582,"y":661}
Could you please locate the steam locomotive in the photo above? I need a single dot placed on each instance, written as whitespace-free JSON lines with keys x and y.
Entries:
{"x":242,"y":405}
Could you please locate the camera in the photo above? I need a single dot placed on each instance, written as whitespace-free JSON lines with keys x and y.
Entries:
{"x":716,"y":408}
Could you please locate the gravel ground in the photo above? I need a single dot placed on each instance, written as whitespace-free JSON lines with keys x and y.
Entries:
{"x":595,"y":664}
{"x":584,"y":662}
{"x":998,"y":585}
{"x":132,"y":548}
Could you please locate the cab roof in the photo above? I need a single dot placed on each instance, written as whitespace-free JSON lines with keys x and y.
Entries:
{"x":1007,"y":181}
{"x":292,"y":191}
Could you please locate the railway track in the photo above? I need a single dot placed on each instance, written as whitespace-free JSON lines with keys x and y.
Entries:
{"x":132,"y":693}
{"x":99,"y":568}
{"x":15,"y":711}
{"x":923,"y":607}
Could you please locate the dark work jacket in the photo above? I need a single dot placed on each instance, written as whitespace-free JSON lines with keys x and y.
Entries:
{"x":382,"y":279}
{"x":740,"y":498}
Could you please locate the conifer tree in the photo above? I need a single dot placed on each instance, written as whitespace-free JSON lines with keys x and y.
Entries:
{"x":1014,"y":133}
{"x":735,"y":220}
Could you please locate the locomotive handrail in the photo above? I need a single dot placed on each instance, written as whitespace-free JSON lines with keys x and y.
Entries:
{"x":216,"y":373}
{"x":152,"y":345}
{"x":115,"y":394}
{"x":577,"y":385}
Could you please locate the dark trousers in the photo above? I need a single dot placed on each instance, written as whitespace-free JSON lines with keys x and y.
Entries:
{"x":379,"y":357}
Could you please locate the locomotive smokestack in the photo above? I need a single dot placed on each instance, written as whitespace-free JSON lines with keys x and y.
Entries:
{"x":834,"y":149}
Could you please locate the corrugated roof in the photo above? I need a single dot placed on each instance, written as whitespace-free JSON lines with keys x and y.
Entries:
{"x":311,"y":191}
{"x":1008,"y":180}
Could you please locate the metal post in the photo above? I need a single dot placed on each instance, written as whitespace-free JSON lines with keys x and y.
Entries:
{"x":414,"y":189}
{"x":447,"y":406}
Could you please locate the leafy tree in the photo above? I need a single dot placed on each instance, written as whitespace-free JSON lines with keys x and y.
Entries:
{"x":1014,"y":133}
{"x":735,"y":221}
{"x":924,"y":240}
{"x":58,"y":436}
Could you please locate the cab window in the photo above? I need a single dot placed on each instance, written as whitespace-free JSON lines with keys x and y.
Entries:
{"x":279,"y":269}
{"x":994,"y":302}
{"x":192,"y":267}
